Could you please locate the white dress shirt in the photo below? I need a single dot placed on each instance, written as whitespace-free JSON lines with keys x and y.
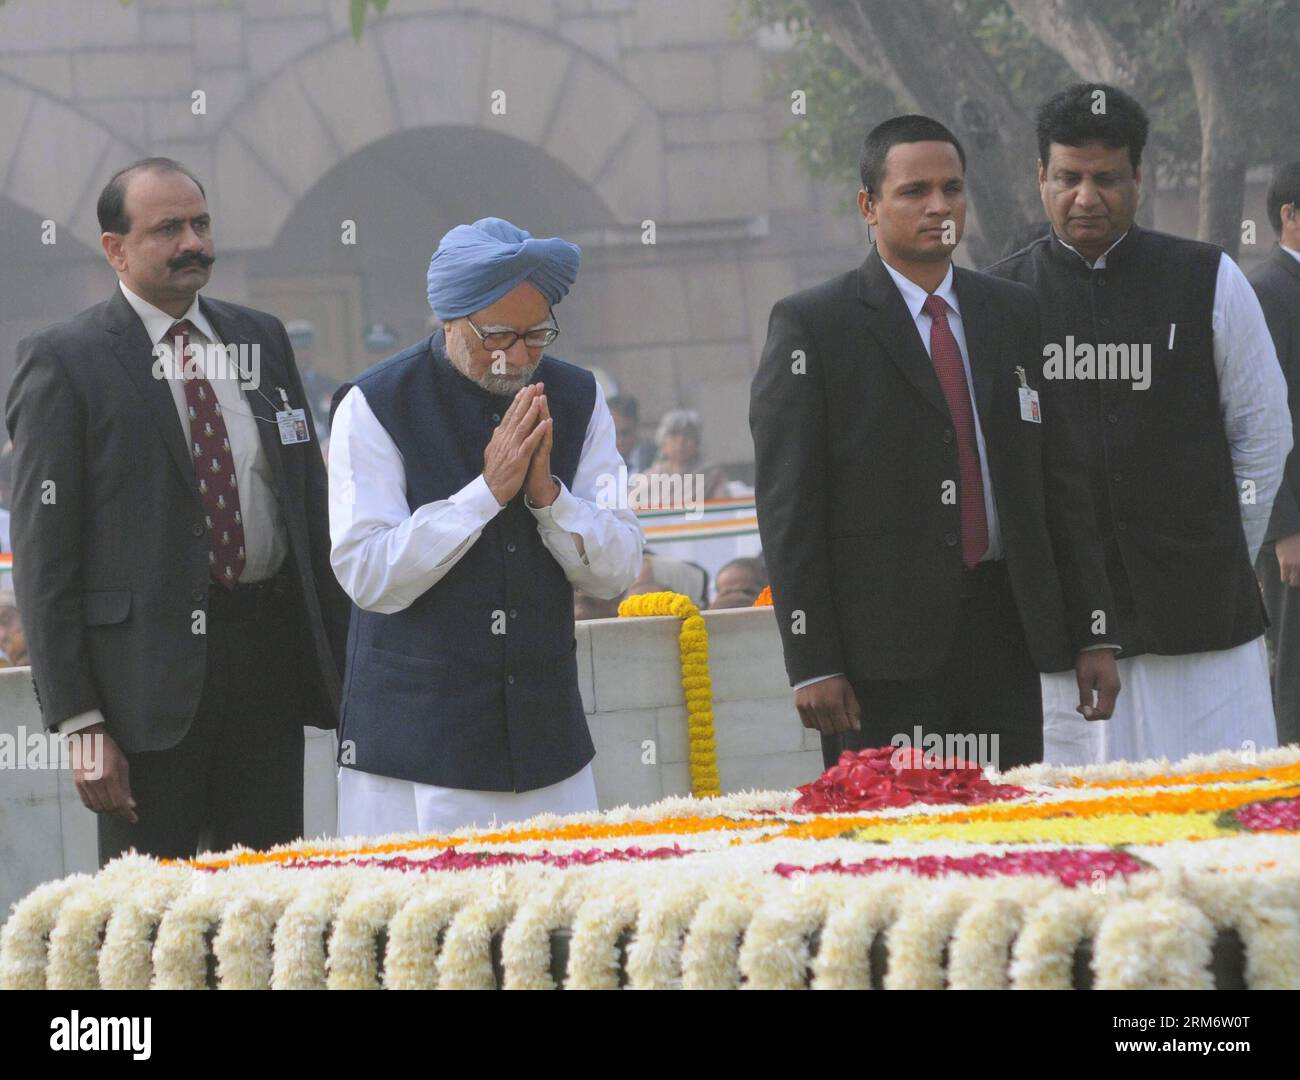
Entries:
{"x":1252,"y":397}
{"x":914,"y":297}
{"x":1291,"y":251}
{"x":386,"y":556}
{"x":265,"y":539}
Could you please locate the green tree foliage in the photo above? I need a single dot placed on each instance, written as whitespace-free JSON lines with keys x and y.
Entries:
{"x":843,"y":102}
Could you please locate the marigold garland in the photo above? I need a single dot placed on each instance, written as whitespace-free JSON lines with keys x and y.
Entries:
{"x":764,"y":598}
{"x":697,"y":684}
{"x":1176,"y":802}
{"x":1200,"y":779}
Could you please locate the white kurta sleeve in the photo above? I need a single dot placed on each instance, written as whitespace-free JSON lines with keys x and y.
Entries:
{"x":590,"y":530}
{"x":1253,"y":399}
{"x":384,"y":555}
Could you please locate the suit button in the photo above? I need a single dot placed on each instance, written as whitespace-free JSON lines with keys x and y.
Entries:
{"x":1101,"y":281}
{"x":1118,"y":477}
{"x":197,"y":596}
{"x":496,"y":418}
{"x":1121,"y":525}
{"x":197,"y":530}
{"x":510,"y":679}
{"x":510,"y":547}
{"x":1112,"y":418}
{"x":947,"y":435}
{"x":1104,"y":321}
{"x":514,"y":614}
{"x":950,"y":539}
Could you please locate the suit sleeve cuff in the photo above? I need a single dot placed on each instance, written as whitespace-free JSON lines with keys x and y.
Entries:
{"x":81,"y":721}
{"x":815,"y":678}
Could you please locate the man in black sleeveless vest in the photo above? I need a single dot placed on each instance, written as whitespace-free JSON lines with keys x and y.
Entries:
{"x":466,"y":474}
{"x":1173,"y":389}
{"x":1277,"y":284}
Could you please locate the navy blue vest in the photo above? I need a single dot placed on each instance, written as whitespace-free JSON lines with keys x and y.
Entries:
{"x":475,"y":685}
{"x":1163,"y":487}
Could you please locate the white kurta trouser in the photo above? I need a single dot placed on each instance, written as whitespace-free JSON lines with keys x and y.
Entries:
{"x":371,"y":805}
{"x":1169,"y":706}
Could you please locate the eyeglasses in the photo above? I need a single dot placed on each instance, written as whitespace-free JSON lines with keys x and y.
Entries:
{"x":504,"y":340}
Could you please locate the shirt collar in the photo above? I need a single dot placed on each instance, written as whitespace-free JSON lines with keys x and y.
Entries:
{"x":914,"y":296}
{"x":1291,"y":251}
{"x":1100,"y":264}
{"x":157,"y":322}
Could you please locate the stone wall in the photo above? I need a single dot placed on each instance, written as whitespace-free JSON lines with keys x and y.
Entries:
{"x":658,"y":107}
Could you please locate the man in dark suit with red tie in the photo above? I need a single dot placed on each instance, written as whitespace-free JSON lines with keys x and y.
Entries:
{"x":171,"y":541}
{"x":926,"y":523}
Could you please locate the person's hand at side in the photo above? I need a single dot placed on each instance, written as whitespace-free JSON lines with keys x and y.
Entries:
{"x":1288,"y":560}
{"x":829,"y":706}
{"x":1095,"y":670}
{"x":101,"y":773}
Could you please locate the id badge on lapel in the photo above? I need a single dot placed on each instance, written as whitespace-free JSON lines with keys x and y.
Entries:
{"x":293,"y":426}
{"x":1030,"y":411}
{"x":292,"y":423}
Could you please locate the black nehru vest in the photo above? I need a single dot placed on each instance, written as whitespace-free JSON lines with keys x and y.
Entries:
{"x":1163,"y":486}
{"x":475,"y":685}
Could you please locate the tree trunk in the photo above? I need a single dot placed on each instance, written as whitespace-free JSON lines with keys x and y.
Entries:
{"x":1223,"y":122}
{"x":922,"y":49}
{"x":1092,"y":51}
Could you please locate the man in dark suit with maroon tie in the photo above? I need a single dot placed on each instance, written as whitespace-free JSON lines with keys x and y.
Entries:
{"x":926,"y":523}
{"x":171,"y":542}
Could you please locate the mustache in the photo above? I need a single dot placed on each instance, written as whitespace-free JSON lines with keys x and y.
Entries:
{"x":186,"y":261}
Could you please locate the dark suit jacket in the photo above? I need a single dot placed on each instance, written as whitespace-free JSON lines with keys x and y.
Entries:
{"x":110,"y":546}
{"x":851,"y":458}
{"x":1277,"y":284}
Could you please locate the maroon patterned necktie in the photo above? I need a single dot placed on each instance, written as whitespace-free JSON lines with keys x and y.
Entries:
{"x":946,"y":357}
{"x":214,"y":469}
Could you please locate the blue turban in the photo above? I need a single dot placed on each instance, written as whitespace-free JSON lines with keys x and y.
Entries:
{"x":475,"y":265}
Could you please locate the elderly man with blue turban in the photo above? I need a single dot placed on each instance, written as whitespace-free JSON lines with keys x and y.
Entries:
{"x":464,"y":475}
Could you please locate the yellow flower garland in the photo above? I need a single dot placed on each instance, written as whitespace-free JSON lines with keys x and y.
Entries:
{"x":696,"y":683}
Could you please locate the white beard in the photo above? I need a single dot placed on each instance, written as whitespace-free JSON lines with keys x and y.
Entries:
{"x":505,"y":385}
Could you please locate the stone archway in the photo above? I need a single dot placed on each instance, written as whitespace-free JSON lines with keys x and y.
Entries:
{"x":305,"y":121}
{"x":36,"y":130}
{"x":402,"y":192}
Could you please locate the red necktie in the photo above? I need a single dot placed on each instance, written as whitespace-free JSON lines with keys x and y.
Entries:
{"x":214,"y":468}
{"x":946,"y":357}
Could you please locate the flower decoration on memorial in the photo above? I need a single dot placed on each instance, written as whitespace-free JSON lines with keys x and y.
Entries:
{"x":883,"y":872}
{"x":693,"y":641}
